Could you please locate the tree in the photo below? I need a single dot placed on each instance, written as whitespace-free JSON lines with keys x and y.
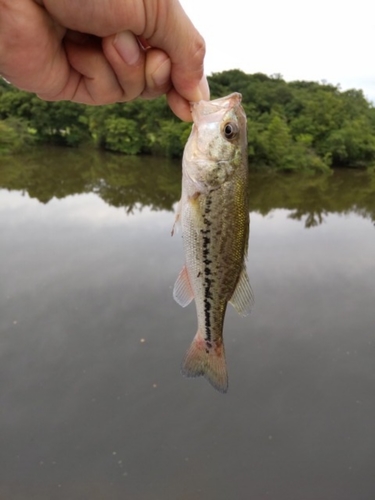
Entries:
{"x":291,"y":126}
{"x":122,"y":136}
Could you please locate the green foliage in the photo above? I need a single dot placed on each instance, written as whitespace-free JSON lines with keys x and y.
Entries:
{"x":14,"y":136}
{"x":302,"y":125}
{"x":352,"y":143}
{"x":172,"y":138}
{"x":49,"y":122}
{"x":292,"y":126}
{"x":122,"y":135}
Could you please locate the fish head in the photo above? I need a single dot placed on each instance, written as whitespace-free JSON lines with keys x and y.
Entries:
{"x":217,"y":146}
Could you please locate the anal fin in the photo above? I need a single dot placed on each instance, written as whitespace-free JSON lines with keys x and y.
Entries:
{"x":243,"y":296}
{"x":182,"y":291}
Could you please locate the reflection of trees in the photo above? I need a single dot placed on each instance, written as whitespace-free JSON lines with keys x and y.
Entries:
{"x":121,"y":181}
{"x":312,"y":218}
{"x":312,"y":198}
{"x":125,"y":181}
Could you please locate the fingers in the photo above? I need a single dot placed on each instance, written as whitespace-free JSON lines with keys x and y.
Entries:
{"x":157,"y":74}
{"x":91,"y":79}
{"x":175,"y":34}
{"x":162,"y":22}
{"x":38,"y":54}
{"x":140,"y":72}
{"x":101,"y":18}
{"x":30,"y":51}
{"x":115,"y":69}
{"x":127,"y":60}
{"x":179,"y":105}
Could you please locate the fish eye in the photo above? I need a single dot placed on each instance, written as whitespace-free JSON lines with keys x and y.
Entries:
{"x":230,"y":130}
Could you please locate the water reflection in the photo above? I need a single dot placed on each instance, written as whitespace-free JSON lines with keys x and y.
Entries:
{"x":92,"y":404}
{"x":129,"y":181}
{"x":120,"y":181}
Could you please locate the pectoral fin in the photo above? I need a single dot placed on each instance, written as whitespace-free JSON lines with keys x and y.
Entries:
{"x":177,"y":218}
{"x":182,"y":291}
{"x":243,"y":296}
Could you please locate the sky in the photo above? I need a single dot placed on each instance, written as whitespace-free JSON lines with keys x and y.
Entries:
{"x":324,"y":40}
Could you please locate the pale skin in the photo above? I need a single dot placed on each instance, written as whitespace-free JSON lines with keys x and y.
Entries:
{"x":103,"y":51}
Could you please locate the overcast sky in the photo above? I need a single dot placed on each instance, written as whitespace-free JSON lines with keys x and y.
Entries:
{"x":328,"y":40}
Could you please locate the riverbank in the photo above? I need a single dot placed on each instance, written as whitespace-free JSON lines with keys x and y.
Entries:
{"x":292,"y":126}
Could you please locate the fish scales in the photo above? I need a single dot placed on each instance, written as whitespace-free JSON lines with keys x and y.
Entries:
{"x":214,"y":252}
{"x":214,"y":217}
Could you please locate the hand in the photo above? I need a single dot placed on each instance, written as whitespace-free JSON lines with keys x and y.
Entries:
{"x":89,"y":51}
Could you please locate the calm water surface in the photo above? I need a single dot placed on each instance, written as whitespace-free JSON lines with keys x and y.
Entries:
{"x":92,"y":402}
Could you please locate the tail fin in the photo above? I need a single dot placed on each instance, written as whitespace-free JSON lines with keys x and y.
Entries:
{"x":207,"y":359}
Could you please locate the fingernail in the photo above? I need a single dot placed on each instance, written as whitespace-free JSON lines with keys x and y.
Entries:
{"x":162,"y":75}
{"x":204,"y":89}
{"x":127,"y":46}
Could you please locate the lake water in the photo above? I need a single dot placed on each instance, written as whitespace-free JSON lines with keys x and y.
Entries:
{"x":92,"y":402}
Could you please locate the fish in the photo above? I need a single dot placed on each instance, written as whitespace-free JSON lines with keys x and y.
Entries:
{"x":213,"y":215}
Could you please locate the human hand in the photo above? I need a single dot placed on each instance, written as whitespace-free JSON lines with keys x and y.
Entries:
{"x":88,"y":51}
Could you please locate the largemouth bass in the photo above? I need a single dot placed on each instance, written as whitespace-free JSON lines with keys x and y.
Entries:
{"x":214,"y":216}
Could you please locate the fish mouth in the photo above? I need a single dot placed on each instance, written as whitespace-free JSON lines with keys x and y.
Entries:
{"x":211,"y":111}
{"x":206,"y":141}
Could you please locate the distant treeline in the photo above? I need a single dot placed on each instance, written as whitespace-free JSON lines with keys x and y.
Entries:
{"x":291,"y":126}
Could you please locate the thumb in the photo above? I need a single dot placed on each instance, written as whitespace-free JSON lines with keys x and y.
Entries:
{"x":176,"y":35}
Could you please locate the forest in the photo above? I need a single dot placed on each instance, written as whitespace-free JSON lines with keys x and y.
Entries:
{"x":292,"y":126}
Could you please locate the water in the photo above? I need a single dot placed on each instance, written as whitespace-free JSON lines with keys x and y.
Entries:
{"x":92,"y":402}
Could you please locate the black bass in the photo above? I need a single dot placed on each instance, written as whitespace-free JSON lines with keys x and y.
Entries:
{"x":214,"y":217}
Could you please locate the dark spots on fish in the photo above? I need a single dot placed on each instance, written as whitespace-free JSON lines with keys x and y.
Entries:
{"x":207,"y":320}
{"x":208,"y":346}
{"x":208,"y":297}
{"x":207,"y":211}
{"x":207,"y":310}
{"x":207,"y":291}
{"x":199,"y":274}
{"x":208,"y":282}
{"x":206,"y":242}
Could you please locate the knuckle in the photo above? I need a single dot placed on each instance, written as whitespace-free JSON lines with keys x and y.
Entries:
{"x":200,"y":48}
